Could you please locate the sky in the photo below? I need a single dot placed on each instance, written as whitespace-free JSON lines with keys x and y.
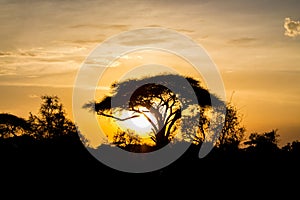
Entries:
{"x":255,"y":45}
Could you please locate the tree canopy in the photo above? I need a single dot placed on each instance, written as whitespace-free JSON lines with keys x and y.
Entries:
{"x":165,"y":97}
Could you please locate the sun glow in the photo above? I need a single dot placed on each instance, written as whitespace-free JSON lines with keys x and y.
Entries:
{"x":140,"y":121}
{"x":139,"y":124}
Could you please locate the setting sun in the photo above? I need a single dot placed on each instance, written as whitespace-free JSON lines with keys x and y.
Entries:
{"x":141,"y":122}
{"x":139,"y":125}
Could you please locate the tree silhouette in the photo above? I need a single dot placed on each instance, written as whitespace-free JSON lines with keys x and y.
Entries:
{"x":164,"y":97}
{"x":46,"y":142}
{"x":263,"y":143}
{"x":51,"y":120}
{"x":11,"y":126}
{"x":230,"y":135}
{"x":293,"y":147}
{"x":125,"y":138}
{"x":232,"y":132}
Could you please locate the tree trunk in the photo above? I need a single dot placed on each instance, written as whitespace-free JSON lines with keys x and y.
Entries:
{"x":161,"y":138}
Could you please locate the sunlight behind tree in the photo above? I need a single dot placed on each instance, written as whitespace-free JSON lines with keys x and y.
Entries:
{"x":140,"y":124}
{"x":159,"y":99}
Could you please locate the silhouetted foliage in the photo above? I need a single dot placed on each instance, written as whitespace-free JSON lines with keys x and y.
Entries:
{"x":263,"y":143}
{"x":125,"y":138}
{"x":162,"y":96}
{"x":232,"y":132}
{"x":293,"y":147}
{"x":11,"y":125}
{"x":51,"y":120}
{"x":131,"y":141}
{"x":48,"y":148}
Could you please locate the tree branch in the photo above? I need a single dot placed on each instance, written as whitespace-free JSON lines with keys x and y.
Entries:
{"x":117,"y":118}
{"x":149,"y":120}
{"x":175,"y":118}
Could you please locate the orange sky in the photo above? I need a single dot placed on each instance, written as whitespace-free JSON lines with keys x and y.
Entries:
{"x":254,"y":44}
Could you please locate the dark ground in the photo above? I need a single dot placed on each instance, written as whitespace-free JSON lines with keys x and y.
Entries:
{"x":66,"y":167}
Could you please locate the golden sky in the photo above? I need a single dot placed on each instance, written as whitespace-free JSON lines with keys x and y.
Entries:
{"x":255,"y":45}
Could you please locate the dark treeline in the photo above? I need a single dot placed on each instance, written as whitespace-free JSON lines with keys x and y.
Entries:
{"x":45,"y":154}
{"x":47,"y":146}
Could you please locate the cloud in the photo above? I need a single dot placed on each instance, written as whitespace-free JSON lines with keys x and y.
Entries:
{"x":106,"y":88}
{"x":100,"y":26}
{"x":242,"y":40}
{"x":35,"y":62}
{"x":48,"y":85}
{"x":34,"y":69}
{"x":182,"y":30}
{"x":7,"y":71}
{"x":154,"y":25}
{"x":59,"y":49}
{"x":292,"y":28}
{"x":18,"y":53}
{"x":143,"y":37}
{"x":32,"y":96}
{"x":30,"y":54}
{"x":79,"y":42}
{"x":109,"y":61}
{"x":3,"y":53}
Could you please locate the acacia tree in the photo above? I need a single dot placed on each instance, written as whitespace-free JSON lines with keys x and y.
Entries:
{"x":165,"y":97}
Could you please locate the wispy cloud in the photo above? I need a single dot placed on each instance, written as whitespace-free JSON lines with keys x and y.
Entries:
{"x":7,"y":53}
{"x":106,"y":61}
{"x":37,"y":85}
{"x":100,"y":26}
{"x":242,"y":40}
{"x":33,"y":96}
{"x":79,"y":42}
{"x":18,"y":53}
{"x":292,"y":28}
{"x":7,"y":71}
{"x":182,"y":30}
{"x":105,"y":88}
{"x":39,"y":61}
{"x":144,"y":37}
{"x":154,"y":25}
{"x":50,"y":52}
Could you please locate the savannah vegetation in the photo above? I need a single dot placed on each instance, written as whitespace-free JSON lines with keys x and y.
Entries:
{"x":50,"y":142}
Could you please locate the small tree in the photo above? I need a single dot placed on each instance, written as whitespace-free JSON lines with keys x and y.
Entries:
{"x":232,"y":132}
{"x":51,"y":120}
{"x":230,"y":135}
